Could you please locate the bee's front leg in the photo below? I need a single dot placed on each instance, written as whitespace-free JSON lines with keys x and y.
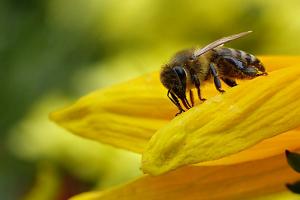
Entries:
{"x":179,"y":112}
{"x":175,"y":100}
{"x":216,"y":78}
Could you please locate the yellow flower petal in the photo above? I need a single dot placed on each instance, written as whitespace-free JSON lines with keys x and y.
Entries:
{"x":242,"y":181}
{"x":228,"y":123}
{"x":125,"y":115}
{"x":128,"y":114}
{"x":267,"y":148}
{"x":273,"y":63}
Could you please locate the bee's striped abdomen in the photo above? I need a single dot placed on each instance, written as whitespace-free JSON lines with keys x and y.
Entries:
{"x":239,"y":54}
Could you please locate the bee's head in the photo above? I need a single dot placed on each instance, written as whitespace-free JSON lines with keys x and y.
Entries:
{"x":174,"y":79}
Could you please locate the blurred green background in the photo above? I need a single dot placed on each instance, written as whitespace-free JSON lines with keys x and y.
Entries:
{"x":54,"y":51}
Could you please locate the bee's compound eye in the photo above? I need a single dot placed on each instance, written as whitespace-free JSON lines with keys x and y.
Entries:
{"x":180,"y":72}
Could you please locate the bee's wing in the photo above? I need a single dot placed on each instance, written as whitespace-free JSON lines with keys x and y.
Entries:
{"x":219,"y":42}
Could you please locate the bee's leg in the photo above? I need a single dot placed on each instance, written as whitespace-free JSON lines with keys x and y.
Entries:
{"x":175,"y":100}
{"x":196,"y":82}
{"x":199,"y":93}
{"x":216,"y":78}
{"x":229,"y":82}
{"x":192,"y":97}
{"x":239,"y":65}
{"x":185,"y":102}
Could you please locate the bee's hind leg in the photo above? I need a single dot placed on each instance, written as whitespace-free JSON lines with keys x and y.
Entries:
{"x":229,"y":82}
{"x":216,"y":78}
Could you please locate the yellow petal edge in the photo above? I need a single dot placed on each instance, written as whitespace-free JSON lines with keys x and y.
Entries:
{"x":228,"y":123}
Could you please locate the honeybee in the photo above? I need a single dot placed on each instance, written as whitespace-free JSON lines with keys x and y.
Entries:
{"x":188,"y":69}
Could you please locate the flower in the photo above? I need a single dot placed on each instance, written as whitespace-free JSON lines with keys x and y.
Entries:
{"x":238,"y":138}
